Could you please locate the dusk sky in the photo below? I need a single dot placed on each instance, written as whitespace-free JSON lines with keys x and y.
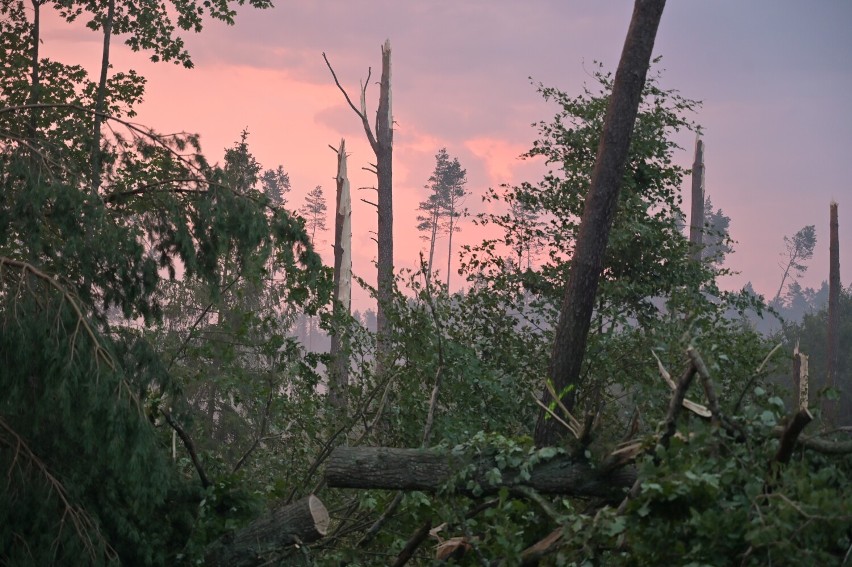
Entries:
{"x":774,"y":76}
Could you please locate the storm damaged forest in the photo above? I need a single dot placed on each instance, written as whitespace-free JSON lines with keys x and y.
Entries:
{"x":208,"y":360}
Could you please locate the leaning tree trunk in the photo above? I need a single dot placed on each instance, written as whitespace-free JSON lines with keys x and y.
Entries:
{"x":831,"y":407}
{"x":342,"y":281}
{"x":101,"y":98}
{"x":264,"y":540}
{"x":601,"y":202}
{"x":696,"y":217}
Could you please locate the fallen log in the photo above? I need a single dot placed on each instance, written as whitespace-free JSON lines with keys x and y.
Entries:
{"x":304,"y":521}
{"x":428,"y":470}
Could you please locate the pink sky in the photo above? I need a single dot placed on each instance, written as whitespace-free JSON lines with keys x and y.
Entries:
{"x":774,"y":77}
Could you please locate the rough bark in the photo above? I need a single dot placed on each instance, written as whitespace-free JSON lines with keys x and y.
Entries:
{"x":383,"y":149}
{"x":833,"y":346}
{"x":342,"y":280}
{"x":696,"y":217}
{"x":578,"y":301}
{"x":428,"y":470}
{"x":304,"y":521}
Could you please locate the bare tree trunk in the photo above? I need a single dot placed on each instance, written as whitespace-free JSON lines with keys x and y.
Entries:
{"x":101,"y":98}
{"x":696,"y":217}
{"x":601,"y":202}
{"x":384,"y":166}
{"x":450,"y":250}
{"x":833,"y":315}
{"x":432,"y":244}
{"x":342,"y":281}
{"x":382,"y":144}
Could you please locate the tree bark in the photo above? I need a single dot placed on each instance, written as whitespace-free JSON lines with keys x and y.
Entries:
{"x":601,"y":202}
{"x":383,"y":149}
{"x":429,"y":469}
{"x":304,"y":521}
{"x":342,"y":281}
{"x":382,"y":144}
{"x":833,"y":346}
{"x":101,"y":98}
{"x":696,"y":217}
{"x":35,"y":85}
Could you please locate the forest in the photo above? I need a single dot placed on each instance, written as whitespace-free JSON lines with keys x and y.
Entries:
{"x":184,"y":381}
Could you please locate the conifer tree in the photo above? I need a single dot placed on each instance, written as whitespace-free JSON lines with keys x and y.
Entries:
{"x":314,"y":211}
{"x":442,"y":208}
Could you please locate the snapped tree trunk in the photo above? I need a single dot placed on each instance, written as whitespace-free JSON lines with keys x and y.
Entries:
{"x":382,"y":144}
{"x":264,"y":539}
{"x":342,"y":281}
{"x":429,"y":469}
{"x":696,"y":217}
{"x":833,"y":347}
{"x":601,"y":201}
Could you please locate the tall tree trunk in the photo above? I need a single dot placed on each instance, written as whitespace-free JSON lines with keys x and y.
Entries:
{"x":384,"y":166}
{"x":35,"y":85}
{"x":696,"y":217}
{"x":432,"y":244}
{"x":833,"y":314}
{"x":342,"y":281}
{"x":101,"y":98}
{"x":382,"y":144}
{"x":450,"y":249}
{"x":601,"y":202}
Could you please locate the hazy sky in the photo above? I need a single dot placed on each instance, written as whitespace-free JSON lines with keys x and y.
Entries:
{"x":774,"y":77}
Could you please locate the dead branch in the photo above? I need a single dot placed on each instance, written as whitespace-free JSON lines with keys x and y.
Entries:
{"x":190,"y":447}
{"x":362,"y":114}
{"x":419,"y":535}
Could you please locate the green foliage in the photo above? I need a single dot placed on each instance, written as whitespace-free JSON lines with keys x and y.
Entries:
{"x":798,"y":249}
{"x":713,"y":500}
{"x":159,"y":298}
{"x":97,"y":283}
{"x":87,"y":477}
{"x":811,"y":335}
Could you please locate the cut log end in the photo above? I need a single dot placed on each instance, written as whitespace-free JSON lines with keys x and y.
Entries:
{"x":319,"y":513}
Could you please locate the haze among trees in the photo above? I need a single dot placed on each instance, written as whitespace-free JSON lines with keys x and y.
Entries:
{"x":160,"y":405}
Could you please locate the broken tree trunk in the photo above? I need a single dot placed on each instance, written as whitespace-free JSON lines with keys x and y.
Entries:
{"x":429,"y":470}
{"x":800,"y":378}
{"x":304,"y":521}
{"x":342,"y":281}
{"x":382,"y":144}
{"x":696,"y":217}
{"x":572,"y":329}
